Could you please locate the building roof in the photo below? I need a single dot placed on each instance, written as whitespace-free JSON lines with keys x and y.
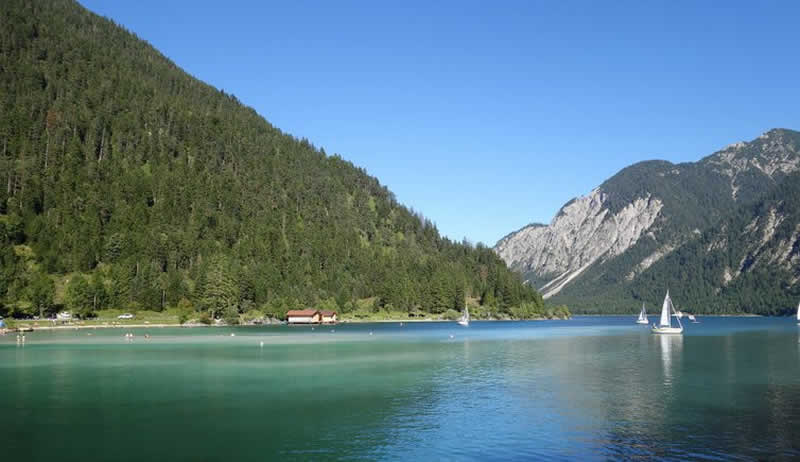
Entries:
{"x":327,"y":312}
{"x":301,"y":312}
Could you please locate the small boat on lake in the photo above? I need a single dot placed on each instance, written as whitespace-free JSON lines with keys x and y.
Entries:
{"x":464,"y":320}
{"x":665,"y":322}
{"x":642,"y":319}
{"x":693,"y":319}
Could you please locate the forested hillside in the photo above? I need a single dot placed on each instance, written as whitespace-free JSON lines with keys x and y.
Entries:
{"x":127,"y":183}
{"x":750,"y":262}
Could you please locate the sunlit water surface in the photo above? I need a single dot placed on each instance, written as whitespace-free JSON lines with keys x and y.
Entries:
{"x":588,"y":388}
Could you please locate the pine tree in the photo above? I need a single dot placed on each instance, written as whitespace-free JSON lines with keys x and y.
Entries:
{"x":79,"y":297}
{"x":42,"y":291}
{"x":220,"y":290}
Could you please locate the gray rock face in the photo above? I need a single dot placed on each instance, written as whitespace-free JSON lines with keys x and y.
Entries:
{"x":764,"y":249}
{"x":583,"y":232}
{"x":772,"y":154}
{"x":647,"y":206}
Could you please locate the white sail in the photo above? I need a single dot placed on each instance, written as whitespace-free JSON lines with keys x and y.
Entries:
{"x":464,"y":321}
{"x":665,"y":326}
{"x":798,"y":311}
{"x":642,"y":316}
{"x":665,"y":311}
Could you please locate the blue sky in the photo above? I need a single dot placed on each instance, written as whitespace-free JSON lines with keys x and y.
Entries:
{"x":486,"y":116}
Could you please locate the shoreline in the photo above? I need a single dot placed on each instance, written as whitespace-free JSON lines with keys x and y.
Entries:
{"x":742,"y":315}
{"x":29,"y":328}
{"x":80,"y":327}
{"x":368,"y":321}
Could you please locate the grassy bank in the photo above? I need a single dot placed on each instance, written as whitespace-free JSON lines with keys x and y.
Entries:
{"x":477,"y":313}
{"x":105,"y":318}
{"x":364,"y":313}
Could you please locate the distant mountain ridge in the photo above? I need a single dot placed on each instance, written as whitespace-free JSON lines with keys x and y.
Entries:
{"x":601,"y":244}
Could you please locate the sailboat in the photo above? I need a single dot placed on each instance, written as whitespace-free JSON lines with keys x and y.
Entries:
{"x":665,"y":323}
{"x":693,"y":319}
{"x":464,"y":320}
{"x":798,"y":313}
{"x":642,"y":316}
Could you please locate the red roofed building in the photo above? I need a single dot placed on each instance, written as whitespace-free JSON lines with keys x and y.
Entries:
{"x":303,"y":316}
{"x":328,"y":317}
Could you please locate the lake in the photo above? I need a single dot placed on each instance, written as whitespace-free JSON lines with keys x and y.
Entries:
{"x":587,"y":388}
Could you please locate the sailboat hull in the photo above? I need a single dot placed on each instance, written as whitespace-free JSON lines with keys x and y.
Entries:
{"x":642,"y":321}
{"x":666,"y":330}
{"x":464,"y":323}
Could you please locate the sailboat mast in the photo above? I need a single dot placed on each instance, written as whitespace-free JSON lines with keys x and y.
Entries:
{"x":676,"y":314}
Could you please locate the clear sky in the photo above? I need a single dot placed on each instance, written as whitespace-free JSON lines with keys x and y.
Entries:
{"x":486,"y":116}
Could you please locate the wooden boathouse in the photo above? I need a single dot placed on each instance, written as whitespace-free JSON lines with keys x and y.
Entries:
{"x":304,"y":316}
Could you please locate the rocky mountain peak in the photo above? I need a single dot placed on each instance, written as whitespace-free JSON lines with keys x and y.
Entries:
{"x":772,"y":155}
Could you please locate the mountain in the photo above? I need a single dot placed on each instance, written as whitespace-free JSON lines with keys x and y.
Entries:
{"x":748,"y":262}
{"x":127,"y":183}
{"x":598,"y":247}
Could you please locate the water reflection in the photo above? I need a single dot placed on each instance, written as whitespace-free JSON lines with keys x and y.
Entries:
{"x":671,"y":351}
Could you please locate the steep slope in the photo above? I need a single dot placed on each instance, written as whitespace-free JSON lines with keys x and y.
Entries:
{"x":750,"y":262}
{"x":143,"y":187}
{"x":608,"y":238}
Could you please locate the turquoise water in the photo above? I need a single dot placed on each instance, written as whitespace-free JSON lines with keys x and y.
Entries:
{"x":588,"y":388}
